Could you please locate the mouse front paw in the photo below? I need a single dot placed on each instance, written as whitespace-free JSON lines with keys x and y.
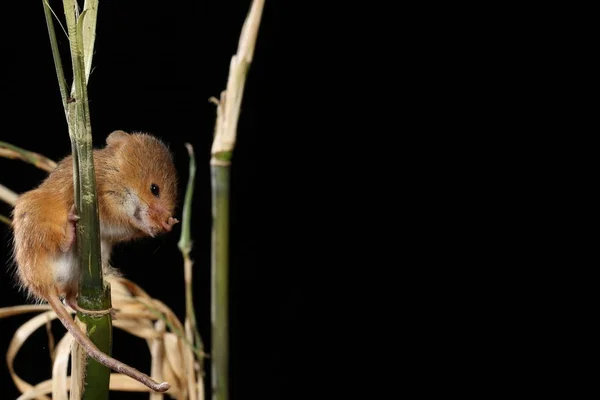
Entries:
{"x":168,"y":226}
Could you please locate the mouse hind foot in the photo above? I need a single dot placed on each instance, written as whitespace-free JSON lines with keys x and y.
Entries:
{"x":70,"y":230}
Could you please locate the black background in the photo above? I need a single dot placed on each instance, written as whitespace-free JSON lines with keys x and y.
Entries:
{"x":155,"y":67}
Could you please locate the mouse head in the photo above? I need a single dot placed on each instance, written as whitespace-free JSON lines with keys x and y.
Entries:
{"x":143,"y":169}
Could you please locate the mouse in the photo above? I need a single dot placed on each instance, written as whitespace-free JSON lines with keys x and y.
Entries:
{"x":136,"y":187}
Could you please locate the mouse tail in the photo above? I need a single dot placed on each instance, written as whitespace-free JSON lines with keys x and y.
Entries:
{"x":96,"y":354}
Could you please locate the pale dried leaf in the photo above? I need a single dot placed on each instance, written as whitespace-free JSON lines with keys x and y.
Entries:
{"x":134,"y":317}
{"x":200,"y":380}
{"x":38,"y":391}
{"x":78,"y":364}
{"x":89,"y":35}
{"x":117,"y":286}
{"x":169,"y":314}
{"x":139,"y":315}
{"x":131,"y":287}
{"x":170,"y":376}
{"x":174,"y":355}
{"x":8,"y":195}
{"x":136,"y":328}
{"x":189,"y":362}
{"x":158,"y":352}
{"x":60,"y":390}
{"x":20,"y":336}
{"x":22,"y":309}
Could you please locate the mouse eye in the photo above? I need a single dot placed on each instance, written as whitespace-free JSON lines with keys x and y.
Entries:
{"x":154,"y":189}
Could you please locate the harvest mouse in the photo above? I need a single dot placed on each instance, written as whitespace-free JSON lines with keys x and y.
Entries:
{"x":136,"y":184}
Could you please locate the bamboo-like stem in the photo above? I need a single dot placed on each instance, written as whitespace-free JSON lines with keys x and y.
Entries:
{"x":185,"y":246}
{"x":11,"y":151}
{"x":220,"y":281}
{"x":94,"y":294}
{"x":228,"y":111}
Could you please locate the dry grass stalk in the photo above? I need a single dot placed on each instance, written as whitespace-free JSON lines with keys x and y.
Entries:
{"x":228,"y":108}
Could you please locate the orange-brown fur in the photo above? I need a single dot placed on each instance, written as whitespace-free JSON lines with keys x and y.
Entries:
{"x":125,"y":171}
{"x":128,"y":164}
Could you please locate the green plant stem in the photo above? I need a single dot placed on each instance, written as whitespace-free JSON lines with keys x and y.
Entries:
{"x":228,"y":112}
{"x":220,"y":279}
{"x":185,"y":246}
{"x":94,"y":294}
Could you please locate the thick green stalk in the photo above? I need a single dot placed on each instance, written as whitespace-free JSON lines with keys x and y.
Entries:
{"x":228,"y":112}
{"x":220,"y":281}
{"x":93,"y":294}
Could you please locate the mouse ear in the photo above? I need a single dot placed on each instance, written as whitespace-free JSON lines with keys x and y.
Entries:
{"x":116,"y":137}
